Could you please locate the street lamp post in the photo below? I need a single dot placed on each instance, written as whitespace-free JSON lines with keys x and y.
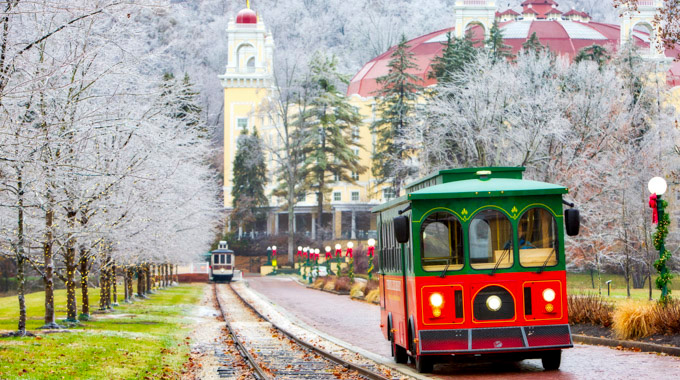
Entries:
{"x":657,"y":186}
{"x":370,"y":252}
{"x":303,"y":265}
{"x":269,"y":255}
{"x":328,"y":258}
{"x":298,"y":256}
{"x":274,"y":258}
{"x":338,"y":253}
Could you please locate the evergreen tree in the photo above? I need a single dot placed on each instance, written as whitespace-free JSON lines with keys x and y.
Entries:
{"x":595,"y":53}
{"x":498,"y":50}
{"x":533,"y":45}
{"x":456,"y":55}
{"x":250,"y":177}
{"x":396,"y":103}
{"x":331,"y":120}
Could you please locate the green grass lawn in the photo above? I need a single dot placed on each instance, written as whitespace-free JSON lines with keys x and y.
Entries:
{"x":580,"y":283}
{"x":146,"y":339}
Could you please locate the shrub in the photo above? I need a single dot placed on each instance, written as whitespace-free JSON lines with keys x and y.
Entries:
{"x":589,"y":308}
{"x":634,"y":320}
{"x":357,"y":290}
{"x":667,"y":318}
{"x":330,"y":284}
{"x":370,"y":285}
{"x":319,"y":283}
{"x":373,"y":296}
{"x":342,"y":284}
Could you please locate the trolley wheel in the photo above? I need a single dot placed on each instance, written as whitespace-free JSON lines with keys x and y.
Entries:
{"x":399,"y":352}
{"x":423,"y":364}
{"x":551,"y":360}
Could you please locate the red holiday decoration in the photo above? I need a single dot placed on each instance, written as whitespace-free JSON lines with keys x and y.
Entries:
{"x":655,"y":210}
{"x":328,"y":254}
{"x":371,"y":251}
{"x":349,"y":253}
{"x":338,"y":252}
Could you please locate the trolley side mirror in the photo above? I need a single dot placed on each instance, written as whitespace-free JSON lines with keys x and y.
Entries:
{"x":401,"y":229}
{"x":572,"y":221}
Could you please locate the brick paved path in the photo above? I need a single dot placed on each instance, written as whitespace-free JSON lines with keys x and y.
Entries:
{"x":358,"y":323}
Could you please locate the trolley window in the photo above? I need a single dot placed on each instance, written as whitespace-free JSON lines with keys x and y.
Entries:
{"x":228,"y":259}
{"x":490,"y":240}
{"x":441,"y":236}
{"x":222,"y":259}
{"x":537,"y":238}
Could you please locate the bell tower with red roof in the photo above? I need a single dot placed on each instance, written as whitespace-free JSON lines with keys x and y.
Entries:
{"x":246,"y":81}
{"x":474,"y":12}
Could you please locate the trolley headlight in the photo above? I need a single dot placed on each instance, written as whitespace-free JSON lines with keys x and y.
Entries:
{"x":549,"y":295}
{"x":494,"y":303}
{"x":222,"y":270}
{"x":436,"y":300}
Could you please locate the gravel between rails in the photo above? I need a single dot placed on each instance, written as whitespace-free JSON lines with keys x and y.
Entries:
{"x":278,"y":355}
{"x":311,"y":338}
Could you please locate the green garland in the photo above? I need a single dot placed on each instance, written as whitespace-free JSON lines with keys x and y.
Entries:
{"x":351,"y":270}
{"x":659,"y":237}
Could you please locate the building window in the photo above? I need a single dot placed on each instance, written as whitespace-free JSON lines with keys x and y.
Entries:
{"x":302,"y":197}
{"x":337,"y":196}
{"x":242,"y":123}
{"x":355,"y":176}
{"x":677,"y":195}
{"x":388,"y":193}
{"x":355,"y":196}
{"x":336,"y":176}
{"x":355,"y":133}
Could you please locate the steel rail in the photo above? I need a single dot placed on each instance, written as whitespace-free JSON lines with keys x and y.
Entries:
{"x":259,"y":372}
{"x":361,"y":370}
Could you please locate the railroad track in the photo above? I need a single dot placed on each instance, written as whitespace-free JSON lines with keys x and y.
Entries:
{"x":274,"y":353}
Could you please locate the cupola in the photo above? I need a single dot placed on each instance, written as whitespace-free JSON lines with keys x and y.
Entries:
{"x":246,"y":16}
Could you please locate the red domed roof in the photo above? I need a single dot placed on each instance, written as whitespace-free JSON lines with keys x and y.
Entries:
{"x":566,"y":38}
{"x":246,"y":16}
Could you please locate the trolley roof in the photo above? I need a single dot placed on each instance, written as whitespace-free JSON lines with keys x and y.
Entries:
{"x":474,"y":183}
{"x":222,"y":251}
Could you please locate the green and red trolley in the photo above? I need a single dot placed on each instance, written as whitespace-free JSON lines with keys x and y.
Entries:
{"x":472,"y":263}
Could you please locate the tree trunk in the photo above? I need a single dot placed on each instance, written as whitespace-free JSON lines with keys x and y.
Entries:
{"x":177,"y":274}
{"x":84,"y":278}
{"x":599,"y":277}
{"x":128,"y":285}
{"x":125,"y":288}
{"x":114,"y":284}
{"x":48,"y":278}
{"x":592,"y":278}
{"x":109,"y":280}
{"x":20,"y":294}
{"x":319,"y":217}
{"x":291,"y":221}
{"x":19,"y":251}
{"x":71,"y":303}
{"x":102,"y":285}
{"x":140,"y":281}
{"x":147,"y":272}
{"x":70,"y":263}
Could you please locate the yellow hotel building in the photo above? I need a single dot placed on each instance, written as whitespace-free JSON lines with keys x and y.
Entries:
{"x":248,"y":83}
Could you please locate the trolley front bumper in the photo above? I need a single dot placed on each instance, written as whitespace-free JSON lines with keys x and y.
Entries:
{"x":496,"y":339}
